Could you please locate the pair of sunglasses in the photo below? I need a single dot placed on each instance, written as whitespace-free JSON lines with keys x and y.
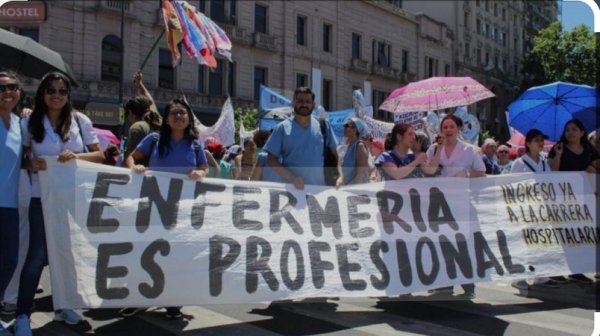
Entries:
{"x":502,"y":152}
{"x":348,"y":125}
{"x":61,"y":91}
{"x":9,"y":87}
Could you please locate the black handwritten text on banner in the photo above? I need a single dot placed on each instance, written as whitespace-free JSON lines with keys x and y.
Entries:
{"x":116,"y":238}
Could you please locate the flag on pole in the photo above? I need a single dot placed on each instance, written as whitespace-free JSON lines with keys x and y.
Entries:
{"x":200,"y":36}
{"x":173,"y":29}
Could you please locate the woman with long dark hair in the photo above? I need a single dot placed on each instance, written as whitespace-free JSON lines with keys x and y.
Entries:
{"x":574,"y":152}
{"x":10,"y":164}
{"x":175,"y":149}
{"x":54,"y":128}
{"x":397,"y":163}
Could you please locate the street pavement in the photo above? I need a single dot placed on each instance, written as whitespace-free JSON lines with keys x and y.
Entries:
{"x":498,"y":309}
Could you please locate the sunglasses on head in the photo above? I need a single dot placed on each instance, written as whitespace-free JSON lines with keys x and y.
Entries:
{"x":9,"y":87}
{"x":61,"y":91}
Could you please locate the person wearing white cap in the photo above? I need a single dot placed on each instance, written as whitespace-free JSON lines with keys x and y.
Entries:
{"x":355,"y":164}
{"x":489,"y":156}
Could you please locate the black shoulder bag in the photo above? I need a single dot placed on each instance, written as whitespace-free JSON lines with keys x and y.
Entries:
{"x":330,"y":162}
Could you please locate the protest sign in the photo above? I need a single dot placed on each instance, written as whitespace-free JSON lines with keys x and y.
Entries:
{"x":122,"y":239}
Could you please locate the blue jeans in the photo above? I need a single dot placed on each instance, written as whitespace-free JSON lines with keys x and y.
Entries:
{"x":9,"y":245}
{"x":37,"y":258}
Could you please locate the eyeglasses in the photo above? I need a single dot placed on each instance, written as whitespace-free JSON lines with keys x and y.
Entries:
{"x":349,"y":126}
{"x":178,"y":113}
{"x":503,"y":152}
{"x":9,"y":87}
{"x":61,"y":91}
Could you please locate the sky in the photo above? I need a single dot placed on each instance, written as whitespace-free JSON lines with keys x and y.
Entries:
{"x":575,"y":13}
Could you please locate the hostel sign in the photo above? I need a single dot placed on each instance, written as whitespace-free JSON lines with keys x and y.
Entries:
{"x":23,"y":11}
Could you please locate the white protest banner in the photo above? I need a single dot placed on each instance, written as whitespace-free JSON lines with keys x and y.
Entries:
{"x":411,"y":118}
{"x":121,"y":239}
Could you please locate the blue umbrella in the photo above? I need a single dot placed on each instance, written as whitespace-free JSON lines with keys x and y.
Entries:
{"x":549,"y":107}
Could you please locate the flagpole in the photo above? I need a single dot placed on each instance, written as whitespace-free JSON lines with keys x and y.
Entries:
{"x":152,"y":49}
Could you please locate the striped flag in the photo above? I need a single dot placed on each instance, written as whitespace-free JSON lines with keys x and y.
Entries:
{"x":173,"y":29}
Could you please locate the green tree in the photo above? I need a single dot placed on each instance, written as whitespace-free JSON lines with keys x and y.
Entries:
{"x":558,"y":55}
{"x":248,"y":117}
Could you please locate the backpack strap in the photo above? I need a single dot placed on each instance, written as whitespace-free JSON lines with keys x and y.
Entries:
{"x":323,"y":124}
{"x":85,"y":149}
{"x":155,"y":138}
{"x":531,"y":167}
{"x":197,"y":148}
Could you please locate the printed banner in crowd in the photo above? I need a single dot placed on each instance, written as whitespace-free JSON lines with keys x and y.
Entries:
{"x":412,"y":118}
{"x":122,"y":239}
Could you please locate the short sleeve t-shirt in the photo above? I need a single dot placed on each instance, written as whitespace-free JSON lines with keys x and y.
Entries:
{"x":301,"y":148}
{"x":53,"y":145}
{"x":391,"y":157}
{"x":182,"y":156}
{"x":10,"y":156}
{"x":569,"y":161}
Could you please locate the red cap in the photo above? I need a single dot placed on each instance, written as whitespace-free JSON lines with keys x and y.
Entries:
{"x":378,"y":144}
{"x":214,"y":146}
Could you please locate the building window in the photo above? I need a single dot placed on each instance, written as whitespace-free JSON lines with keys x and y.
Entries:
{"x":260,"y":77}
{"x":479,"y":27}
{"x":486,"y":31}
{"x":404,"y":61}
{"x":467,"y":19}
{"x":381,"y":53}
{"x":327,"y":95}
{"x":378,"y":98}
{"x":260,"y":19}
{"x":166,"y":73}
{"x":495,"y":9}
{"x":479,"y":56}
{"x":487,"y":58}
{"x":503,"y":14}
{"x":447,"y":70}
{"x":496,"y":63}
{"x":202,"y":6}
{"x":217,"y":10}
{"x":201,"y":79}
{"x":355,"y":46}
{"x":111,"y":58}
{"x":301,"y":30}
{"x":220,"y":13}
{"x":231,"y":79}
{"x":431,"y":66}
{"x":503,"y":63}
{"x":301,"y":80}
{"x":493,"y":34}
{"x":327,"y":30}
{"x":467,"y":50}
{"x":487,"y":5}
{"x":477,"y":3}
{"x":396,"y":3}
{"x":215,"y":80}
{"x":32,"y":33}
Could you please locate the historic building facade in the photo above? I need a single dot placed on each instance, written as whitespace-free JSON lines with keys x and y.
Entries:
{"x":332,"y":46}
{"x":492,"y":39}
